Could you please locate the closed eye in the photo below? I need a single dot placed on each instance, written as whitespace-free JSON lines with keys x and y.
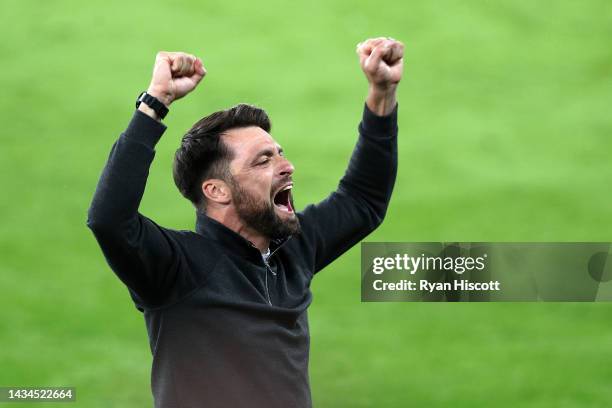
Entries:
{"x":264,"y":156}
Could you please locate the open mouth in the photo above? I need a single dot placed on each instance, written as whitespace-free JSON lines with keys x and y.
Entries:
{"x":282,"y":199}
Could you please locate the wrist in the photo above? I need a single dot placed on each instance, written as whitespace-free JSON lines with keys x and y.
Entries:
{"x":164,"y":97}
{"x":144,"y":108}
{"x":382,"y":100}
{"x":151,"y":106}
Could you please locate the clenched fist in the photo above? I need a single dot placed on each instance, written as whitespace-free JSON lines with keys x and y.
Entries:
{"x":175,"y":74}
{"x":382,"y":61}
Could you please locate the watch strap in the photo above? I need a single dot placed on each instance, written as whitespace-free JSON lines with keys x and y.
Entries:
{"x":152,"y":102}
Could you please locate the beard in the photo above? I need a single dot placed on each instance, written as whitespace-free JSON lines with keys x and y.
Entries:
{"x":261,"y":216}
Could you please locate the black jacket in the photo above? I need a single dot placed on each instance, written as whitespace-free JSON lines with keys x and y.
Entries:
{"x":225,"y":328}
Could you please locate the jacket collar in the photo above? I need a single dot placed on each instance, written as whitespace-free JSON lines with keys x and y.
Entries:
{"x":234,"y":242}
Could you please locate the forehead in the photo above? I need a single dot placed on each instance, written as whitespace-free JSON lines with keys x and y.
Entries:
{"x":247,"y":142}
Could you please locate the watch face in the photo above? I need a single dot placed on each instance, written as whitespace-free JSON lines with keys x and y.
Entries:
{"x":139,"y":99}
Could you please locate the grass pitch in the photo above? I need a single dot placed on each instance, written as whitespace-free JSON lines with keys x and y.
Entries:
{"x":505,"y":131}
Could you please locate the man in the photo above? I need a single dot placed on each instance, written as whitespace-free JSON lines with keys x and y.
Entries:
{"x":225,"y":306}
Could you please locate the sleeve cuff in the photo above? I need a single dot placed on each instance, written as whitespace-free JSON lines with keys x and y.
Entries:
{"x":373,"y":124}
{"x":144,"y":129}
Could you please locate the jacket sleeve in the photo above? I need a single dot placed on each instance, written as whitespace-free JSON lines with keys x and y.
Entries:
{"x":145,"y":256}
{"x":360,"y":202}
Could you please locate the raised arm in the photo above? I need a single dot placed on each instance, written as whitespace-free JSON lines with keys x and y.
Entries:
{"x":359,"y":204}
{"x":144,"y":255}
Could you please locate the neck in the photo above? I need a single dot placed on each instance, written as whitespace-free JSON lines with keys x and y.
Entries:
{"x":234,"y":223}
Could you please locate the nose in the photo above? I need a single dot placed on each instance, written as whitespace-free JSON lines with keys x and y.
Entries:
{"x":286,"y":168}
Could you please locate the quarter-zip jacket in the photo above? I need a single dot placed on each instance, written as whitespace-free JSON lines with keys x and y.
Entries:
{"x":226,"y":328}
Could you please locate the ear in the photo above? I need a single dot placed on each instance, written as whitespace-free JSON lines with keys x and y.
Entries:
{"x":217,"y":191}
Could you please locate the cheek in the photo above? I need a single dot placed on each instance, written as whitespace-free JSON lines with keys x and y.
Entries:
{"x":259,"y":187}
{"x":262,"y":184}
{"x":257,"y":184}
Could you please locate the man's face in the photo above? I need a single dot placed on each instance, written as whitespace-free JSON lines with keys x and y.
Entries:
{"x":261,"y":182}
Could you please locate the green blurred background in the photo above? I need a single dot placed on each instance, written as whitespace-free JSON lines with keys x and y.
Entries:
{"x":505,"y":135}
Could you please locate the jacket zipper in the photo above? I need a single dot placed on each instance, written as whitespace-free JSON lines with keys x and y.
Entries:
{"x":270,"y":269}
{"x":267,"y":291}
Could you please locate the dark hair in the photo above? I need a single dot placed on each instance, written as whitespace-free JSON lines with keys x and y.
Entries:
{"x":203,"y":155}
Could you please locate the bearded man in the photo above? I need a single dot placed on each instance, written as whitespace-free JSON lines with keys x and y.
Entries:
{"x":226,"y":306}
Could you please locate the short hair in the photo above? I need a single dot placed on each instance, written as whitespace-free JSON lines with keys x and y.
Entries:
{"x":203,"y":154}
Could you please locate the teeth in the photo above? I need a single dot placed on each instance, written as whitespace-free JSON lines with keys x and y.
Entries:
{"x":287,"y":188}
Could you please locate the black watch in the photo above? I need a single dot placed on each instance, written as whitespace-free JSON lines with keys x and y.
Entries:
{"x":153,"y":103}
